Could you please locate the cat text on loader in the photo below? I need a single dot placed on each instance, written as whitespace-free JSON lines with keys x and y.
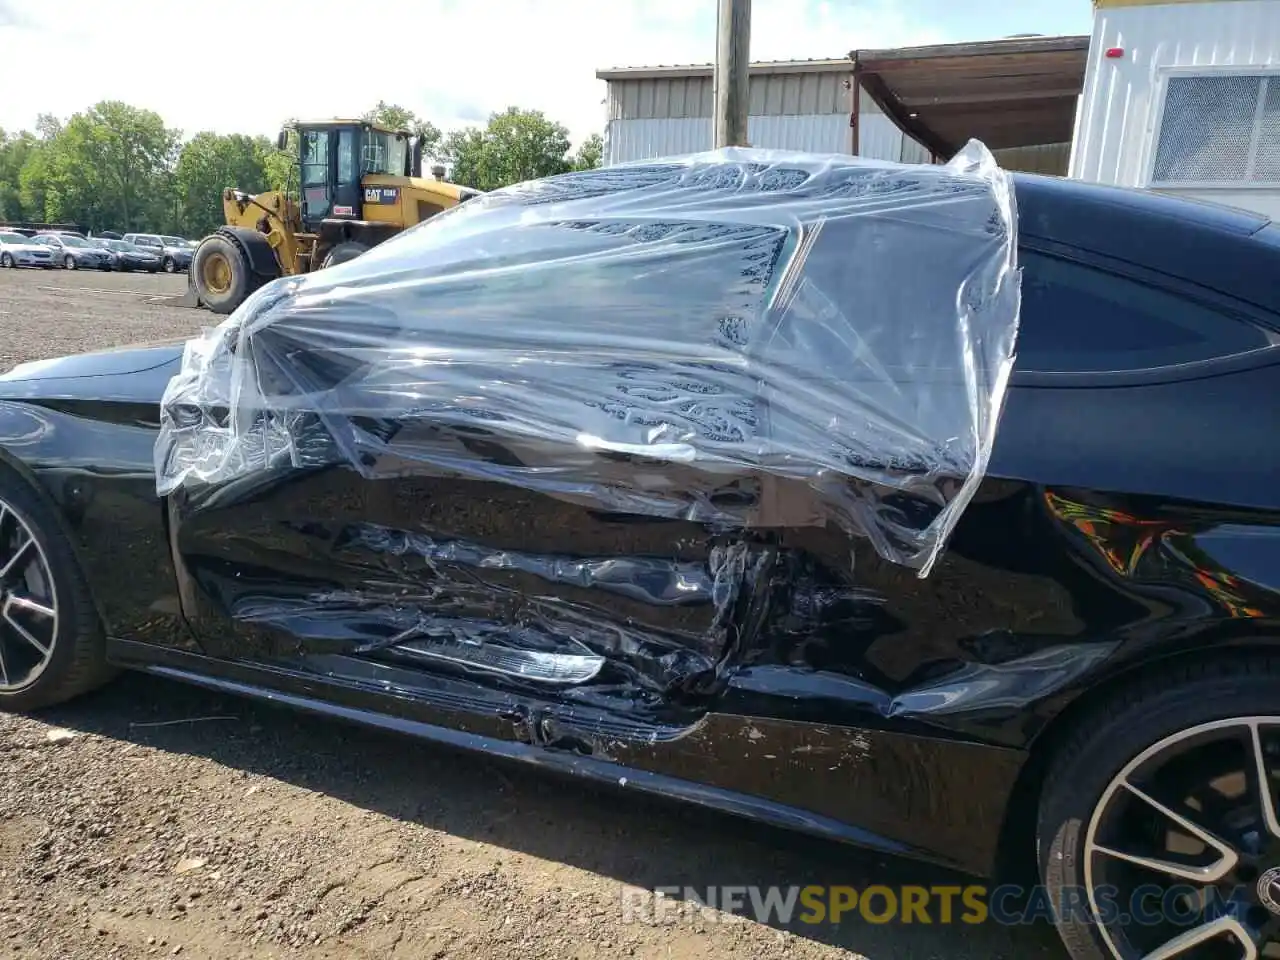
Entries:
{"x":357,"y":185}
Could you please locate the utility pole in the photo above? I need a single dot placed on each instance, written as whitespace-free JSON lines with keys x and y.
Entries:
{"x":733,"y":55}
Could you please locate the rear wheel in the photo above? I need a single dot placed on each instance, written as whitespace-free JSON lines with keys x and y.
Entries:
{"x":169,"y":265}
{"x":1158,"y":831}
{"x":221,"y":274}
{"x":69,"y":262}
{"x":6,"y":260}
{"x":342,"y":253}
{"x":51,"y":642}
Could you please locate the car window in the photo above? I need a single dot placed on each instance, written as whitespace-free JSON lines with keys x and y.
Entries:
{"x":1079,"y":319}
{"x":13,"y":238}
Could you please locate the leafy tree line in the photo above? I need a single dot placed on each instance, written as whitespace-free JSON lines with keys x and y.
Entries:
{"x":115,"y":166}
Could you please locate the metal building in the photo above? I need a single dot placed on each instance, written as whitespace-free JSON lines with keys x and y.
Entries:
{"x":910,"y":104}
{"x":1183,"y":96}
{"x":794,"y":105}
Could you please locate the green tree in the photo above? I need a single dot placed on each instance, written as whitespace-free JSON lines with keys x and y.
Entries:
{"x":281,"y":165}
{"x":48,"y":126}
{"x":396,"y":117}
{"x":15,"y":151}
{"x":516,"y":145}
{"x":208,"y":163}
{"x":33,"y":184}
{"x":108,"y":166}
{"x":590,"y":153}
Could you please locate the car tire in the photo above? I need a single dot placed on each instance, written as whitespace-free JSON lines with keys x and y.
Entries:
{"x":69,"y":262}
{"x":169,"y":265}
{"x":221,"y":257}
{"x":342,"y":253}
{"x":48,"y":573}
{"x":1205,"y":710}
{"x":6,"y":261}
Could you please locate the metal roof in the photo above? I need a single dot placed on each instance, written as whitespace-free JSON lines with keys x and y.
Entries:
{"x":661,"y":71}
{"x":1007,"y":93}
{"x":343,"y":121}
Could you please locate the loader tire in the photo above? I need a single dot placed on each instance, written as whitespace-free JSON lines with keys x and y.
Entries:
{"x":221,"y":274}
{"x":342,"y":253}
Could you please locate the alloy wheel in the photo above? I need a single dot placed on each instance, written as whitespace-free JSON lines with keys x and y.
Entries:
{"x":1182,"y":853}
{"x":70,"y":262}
{"x":6,"y":260}
{"x":28,"y":604}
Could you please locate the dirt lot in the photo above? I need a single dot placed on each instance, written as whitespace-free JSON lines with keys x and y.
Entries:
{"x":157,"y":820}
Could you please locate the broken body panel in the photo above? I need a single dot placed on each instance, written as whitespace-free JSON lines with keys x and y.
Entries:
{"x":791,"y":670}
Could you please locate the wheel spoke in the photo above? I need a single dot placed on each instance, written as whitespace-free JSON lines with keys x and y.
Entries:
{"x":1196,"y":936}
{"x":28,"y":603}
{"x":1201,"y":874}
{"x":22,"y":631}
{"x":12,"y":562}
{"x":33,"y":606}
{"x":1266,"y":797}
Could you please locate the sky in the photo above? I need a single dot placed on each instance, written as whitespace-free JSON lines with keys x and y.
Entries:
{"x":244,"y":66}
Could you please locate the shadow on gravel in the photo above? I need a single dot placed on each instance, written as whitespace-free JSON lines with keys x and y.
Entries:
{"x":639,"y":841}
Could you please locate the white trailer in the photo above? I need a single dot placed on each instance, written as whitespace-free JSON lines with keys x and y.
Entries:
{"x":1183,"y":97}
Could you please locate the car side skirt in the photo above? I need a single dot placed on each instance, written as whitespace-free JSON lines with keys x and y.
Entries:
{"x":937,"y":800}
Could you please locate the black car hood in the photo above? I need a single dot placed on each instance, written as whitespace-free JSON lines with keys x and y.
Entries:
{"x":136,"y":373}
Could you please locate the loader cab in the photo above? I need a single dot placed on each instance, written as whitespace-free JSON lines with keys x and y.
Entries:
{"x":335,"y":156}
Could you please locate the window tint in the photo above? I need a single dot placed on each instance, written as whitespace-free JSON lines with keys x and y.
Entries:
{"x":1078,"y":319}
{"x":346,"y":156}
{"x":315,"y":158}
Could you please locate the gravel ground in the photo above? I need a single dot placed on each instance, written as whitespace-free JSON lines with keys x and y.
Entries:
{"x":152,"y":819}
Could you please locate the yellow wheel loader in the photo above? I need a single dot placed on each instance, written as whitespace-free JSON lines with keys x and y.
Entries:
{"x":357,"y":185}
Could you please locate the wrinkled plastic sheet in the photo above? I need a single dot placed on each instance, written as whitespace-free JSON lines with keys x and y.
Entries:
{"x":745,"y":338}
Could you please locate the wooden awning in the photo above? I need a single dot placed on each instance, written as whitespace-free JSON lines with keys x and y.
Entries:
{"x":1007,"y":93}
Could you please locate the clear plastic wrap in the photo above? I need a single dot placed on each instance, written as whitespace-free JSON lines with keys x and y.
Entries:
{"x":744,"y":338}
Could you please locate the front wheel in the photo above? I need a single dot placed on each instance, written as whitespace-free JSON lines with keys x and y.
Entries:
{"x":51,"y":641}
{"x":220,"y":273}
{"x":1158,"y":830}
{"x":69,"y":262}
{"x":169,"y":265}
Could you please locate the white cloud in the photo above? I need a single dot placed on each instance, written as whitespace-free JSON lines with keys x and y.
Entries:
{"x":246,"y":65}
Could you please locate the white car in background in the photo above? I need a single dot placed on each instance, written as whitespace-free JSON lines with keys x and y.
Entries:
{"x":19,"y":251}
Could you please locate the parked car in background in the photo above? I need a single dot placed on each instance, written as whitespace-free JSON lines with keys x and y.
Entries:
{"x":174,"y":252}
{"x":102,"y":245}
{"x":107,"y":235}
{"x":178,"y":253}
{"x":129,"y":256}
{"x":75,"y":252}
{"x":17,"y":250}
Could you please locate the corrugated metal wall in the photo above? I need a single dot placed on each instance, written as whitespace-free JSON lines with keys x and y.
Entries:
{"x":669,"y":116}
{"x":772,"y":95}
{"x":1116,"y":122}
{"x":1048,"y":158}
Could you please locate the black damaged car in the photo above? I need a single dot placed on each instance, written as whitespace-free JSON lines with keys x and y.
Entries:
{"x":689,"y":574}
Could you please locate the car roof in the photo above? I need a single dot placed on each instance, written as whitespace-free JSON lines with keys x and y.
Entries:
{"x":1232,"y":251}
